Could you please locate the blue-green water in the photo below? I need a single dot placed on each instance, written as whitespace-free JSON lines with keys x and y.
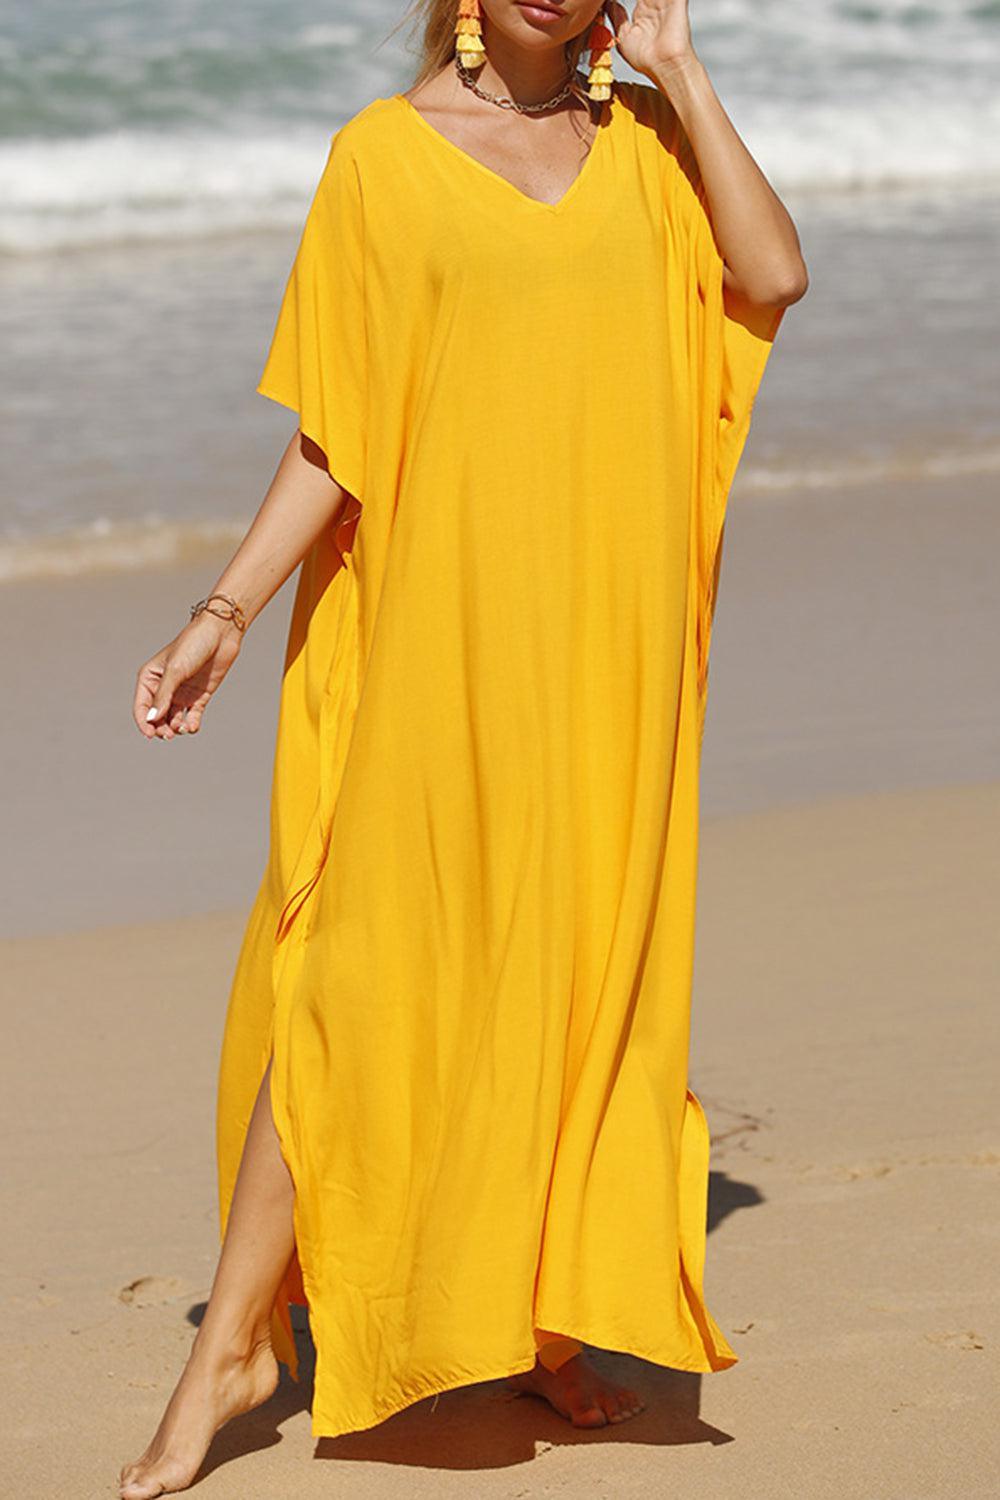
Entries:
{"x":132,"y":133}
{"x":152,"y":120}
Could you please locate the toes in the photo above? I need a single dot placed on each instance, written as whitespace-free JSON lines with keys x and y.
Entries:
{"x":149,"y":1485}
{"x":629,"y":1403}
{"x":590,"y":1416}
{"x":621,"y":1404}
{"x":138,"y":1489}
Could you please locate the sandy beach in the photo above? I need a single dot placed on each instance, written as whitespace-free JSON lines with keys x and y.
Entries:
{"x":157,"y":166}
{"x":844,"y":1043}
{"x":855,"y":637}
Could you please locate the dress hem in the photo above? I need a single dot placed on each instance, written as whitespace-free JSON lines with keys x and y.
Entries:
{"x":323,"y":1429}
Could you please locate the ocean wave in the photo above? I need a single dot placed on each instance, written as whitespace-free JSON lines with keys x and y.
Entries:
{"x":134,"y":186}
{"x":105,"y":546}
{"x":154,"y":122}
{"x":118,"y":546}
{"x":139,"y":186}
{"x":69,"y":69}
{"x":893,"y":469}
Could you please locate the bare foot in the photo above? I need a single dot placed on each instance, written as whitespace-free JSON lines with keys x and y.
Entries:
{"x":578,"y":1392}
{"x":213,"y":1387}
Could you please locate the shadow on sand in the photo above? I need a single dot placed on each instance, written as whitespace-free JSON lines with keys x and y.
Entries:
{"x":488,"y":1426}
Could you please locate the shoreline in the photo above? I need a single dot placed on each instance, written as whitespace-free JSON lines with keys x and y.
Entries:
{"x":136,"y":545}
{"x":289,"y":159}
{"x":168,"y":424}
{"x":852,"y":645}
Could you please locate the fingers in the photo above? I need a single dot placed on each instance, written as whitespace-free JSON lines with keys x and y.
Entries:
{"x":192,"y":722}
{"x":147,"y":681}
{"x":159,"y":708}
{"x":187,"y":712}
{"x":180,"y":719}
{"x":175,"y":695}
{"x":175,"y":685}
{"x":186,"y":718}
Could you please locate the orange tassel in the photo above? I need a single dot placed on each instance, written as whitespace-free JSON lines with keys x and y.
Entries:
{"x":469,"y":34}
{"x":600,"y":77}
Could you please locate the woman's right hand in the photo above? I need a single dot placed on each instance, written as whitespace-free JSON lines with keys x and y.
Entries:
{"x":180,"y":679}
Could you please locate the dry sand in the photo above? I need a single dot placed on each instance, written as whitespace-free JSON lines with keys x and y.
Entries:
{"x":845,"y":1050}
{"x":844,"y":1045}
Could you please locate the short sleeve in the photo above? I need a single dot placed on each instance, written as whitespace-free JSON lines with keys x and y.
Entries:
{"x":729,"y":342}
{"x":734,"y":341}
{"x":317,"y":363}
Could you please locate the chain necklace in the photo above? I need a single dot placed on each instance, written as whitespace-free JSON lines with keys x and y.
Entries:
{"x":570,"y":87}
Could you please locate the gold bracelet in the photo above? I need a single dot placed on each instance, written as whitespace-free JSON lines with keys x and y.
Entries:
{"x":236,"y":614}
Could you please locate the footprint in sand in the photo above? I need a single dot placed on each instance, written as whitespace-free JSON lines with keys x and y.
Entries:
{"x":955,"y":1340}
{"x":151,"y":1291}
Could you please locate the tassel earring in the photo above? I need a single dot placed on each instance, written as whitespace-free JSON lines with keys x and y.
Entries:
{"x":469,"y":34}
{"x":600,"y":77}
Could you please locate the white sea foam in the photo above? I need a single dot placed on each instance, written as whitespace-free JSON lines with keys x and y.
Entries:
{"x":175,"y":122}
{"x":149,"y":122}
{"x":951,"y":463}
{"x":113,"y":546}
{"x":134,"y":186}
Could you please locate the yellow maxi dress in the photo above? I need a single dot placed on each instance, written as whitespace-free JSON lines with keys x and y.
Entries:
{"x":471,"y":952}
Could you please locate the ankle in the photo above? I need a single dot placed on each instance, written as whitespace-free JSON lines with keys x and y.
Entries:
{"x":233,"y":1341}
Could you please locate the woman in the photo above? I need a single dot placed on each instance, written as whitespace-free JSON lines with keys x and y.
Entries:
{"x":522,"y":339}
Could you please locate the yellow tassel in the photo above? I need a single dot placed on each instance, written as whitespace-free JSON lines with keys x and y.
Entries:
{"x":600,"y":77}
{"x":469,"y":35}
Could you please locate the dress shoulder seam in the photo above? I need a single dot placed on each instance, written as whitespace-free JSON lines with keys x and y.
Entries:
{"x":355,"y":130}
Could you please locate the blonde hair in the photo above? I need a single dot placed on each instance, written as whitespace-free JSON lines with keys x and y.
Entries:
{"x":434,"y":21}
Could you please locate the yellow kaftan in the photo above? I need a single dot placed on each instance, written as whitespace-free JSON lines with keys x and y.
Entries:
{"x":472,"y":948}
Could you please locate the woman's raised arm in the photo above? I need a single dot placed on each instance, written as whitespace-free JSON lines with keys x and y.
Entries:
{"x":754,"y":231}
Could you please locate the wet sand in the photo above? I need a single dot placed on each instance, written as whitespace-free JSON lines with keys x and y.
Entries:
{"x":853,"y":651}
{"x":844,"y":1042}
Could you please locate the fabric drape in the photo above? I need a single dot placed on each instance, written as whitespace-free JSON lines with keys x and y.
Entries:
{"x":471,"y":953}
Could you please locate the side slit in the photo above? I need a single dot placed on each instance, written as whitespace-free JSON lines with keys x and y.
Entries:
{"x":292,"y":1289}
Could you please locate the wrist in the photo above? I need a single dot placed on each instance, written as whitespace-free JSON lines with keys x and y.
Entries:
{"x":226,"y":612}
{"x":678,"y":75}
{"x":216,"y":628}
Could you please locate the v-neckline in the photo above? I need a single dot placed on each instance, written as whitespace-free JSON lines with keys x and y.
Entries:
{"x":505,"y":182}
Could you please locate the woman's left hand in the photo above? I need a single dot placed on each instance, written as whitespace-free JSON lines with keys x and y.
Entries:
{"x":657,"y":35}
